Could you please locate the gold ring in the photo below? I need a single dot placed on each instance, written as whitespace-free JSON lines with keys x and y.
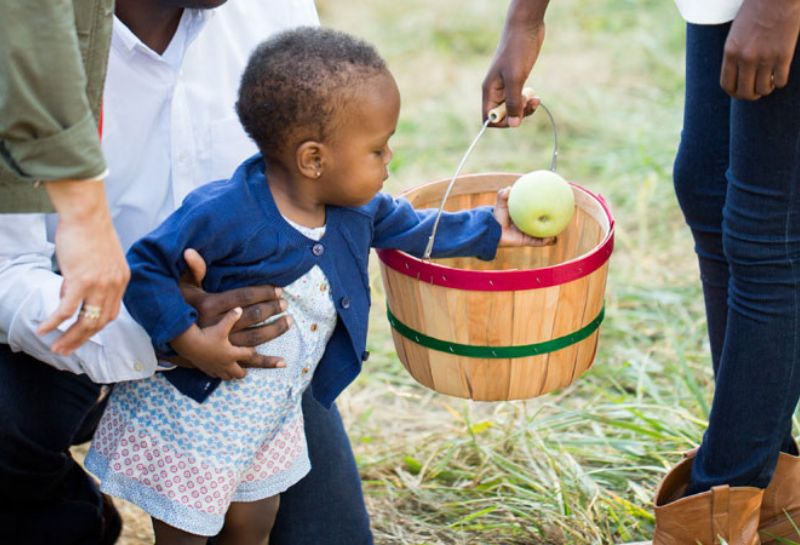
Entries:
{"x":91,"y":312}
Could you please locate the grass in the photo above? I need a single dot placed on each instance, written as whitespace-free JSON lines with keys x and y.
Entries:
{"x":578,"y":466}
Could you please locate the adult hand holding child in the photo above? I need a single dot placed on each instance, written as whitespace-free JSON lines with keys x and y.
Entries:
{"x":221,"y":344}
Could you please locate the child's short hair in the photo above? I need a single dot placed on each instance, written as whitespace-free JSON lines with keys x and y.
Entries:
{"x":294,"y":83}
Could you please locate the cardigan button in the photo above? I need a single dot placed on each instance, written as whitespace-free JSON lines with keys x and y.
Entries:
{"x":365,"y":355}
{"x":345,"y":302}
{"x":318,"y":249}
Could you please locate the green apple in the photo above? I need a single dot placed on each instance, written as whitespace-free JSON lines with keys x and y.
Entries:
{"x":541,"y":203}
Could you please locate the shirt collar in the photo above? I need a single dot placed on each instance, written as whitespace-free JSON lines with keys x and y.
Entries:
{"x":192,"y":22}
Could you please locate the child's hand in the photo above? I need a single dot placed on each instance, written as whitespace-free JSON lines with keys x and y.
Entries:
{"x":210,"y":350}
{"x":512,"y":236}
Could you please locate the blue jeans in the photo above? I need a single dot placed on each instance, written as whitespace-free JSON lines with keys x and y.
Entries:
{"x":45,"y":497}
{"x":737,"y":178}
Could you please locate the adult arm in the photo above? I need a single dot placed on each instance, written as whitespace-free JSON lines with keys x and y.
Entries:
{"x":48,"y":133}
{"x":154,"y":296}
{"x":517,"y":51}
{"x":122,"y":350}
{"x":29,"y":292}
{"x":90,"y":260}
{"x":760,"y":48}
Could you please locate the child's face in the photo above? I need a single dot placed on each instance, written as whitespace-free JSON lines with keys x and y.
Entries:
{"x":356,"y":165}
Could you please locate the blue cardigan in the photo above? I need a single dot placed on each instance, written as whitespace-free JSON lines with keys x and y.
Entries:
{"x":237,"y":228}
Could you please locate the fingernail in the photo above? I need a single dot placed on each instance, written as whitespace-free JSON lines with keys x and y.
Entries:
{"x":280,"y":364}
{"x":278,"y":292}
{"x":238,"y":311}
{"x":513,"y":122}
{"x":283,"y":304}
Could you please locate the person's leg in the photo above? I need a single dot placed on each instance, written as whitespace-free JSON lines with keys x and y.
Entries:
{"x":327,"y":506}
{"x":45,"y":496}
{"x":249,"y":523}
{"x":758,"y":380}
{"x":699,"y":170}
{"x":169,"y":535}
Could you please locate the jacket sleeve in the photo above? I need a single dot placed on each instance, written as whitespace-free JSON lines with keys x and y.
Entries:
{"x":397,"y":225}
{"x":153,"y":296}
{"x":47,"y":129}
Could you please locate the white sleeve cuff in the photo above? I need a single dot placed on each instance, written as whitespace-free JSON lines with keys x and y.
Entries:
{"x":120,"y":351}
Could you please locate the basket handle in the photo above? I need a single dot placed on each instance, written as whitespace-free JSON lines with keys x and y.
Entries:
{"x":495,"y":115}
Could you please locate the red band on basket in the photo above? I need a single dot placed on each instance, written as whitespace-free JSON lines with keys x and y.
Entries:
{"x":543,"y":277}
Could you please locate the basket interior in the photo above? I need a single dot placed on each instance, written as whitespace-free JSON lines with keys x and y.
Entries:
{"x":588,"y":228}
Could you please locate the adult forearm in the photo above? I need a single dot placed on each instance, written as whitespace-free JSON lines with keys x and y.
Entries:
{"x":80,"y":200}
{"x":517,"y":51}
{"x":526,"y":12}
{"x":29,"y":292}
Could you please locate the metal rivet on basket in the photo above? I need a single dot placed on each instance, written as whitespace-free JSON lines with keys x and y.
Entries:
{"x":451,"y":349}
{"x":491,"y":283}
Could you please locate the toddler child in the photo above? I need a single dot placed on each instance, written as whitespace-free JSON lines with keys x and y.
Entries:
{"x":203,"y":456}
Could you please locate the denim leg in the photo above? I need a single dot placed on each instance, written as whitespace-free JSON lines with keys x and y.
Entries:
{"x":45,"y":497}
{"x":699,"y":170}
{"x":327,"y":506}
{"x":758,"y":382}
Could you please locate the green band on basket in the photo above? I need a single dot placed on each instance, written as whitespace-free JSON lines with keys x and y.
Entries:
{"x":496,"y":352}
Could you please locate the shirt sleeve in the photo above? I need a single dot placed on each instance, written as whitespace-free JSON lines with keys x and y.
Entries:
{"x":29,"y":293}
{"x":47,"y":130}
{"x":153,"y":296}
{"x":398,"y":225}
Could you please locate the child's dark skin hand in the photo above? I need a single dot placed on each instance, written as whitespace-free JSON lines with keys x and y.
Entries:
{"x":210,"y":350}
{"x":511,"y":236}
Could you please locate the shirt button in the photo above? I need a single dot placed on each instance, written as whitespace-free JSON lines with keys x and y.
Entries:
{"x":345,"y":302}
{"x":323,"y":288}
{"x":318,"y":249}
{"x":305,"y":370}
{"x":138,"y":366}
{"x":365,"y":355}
{"x":313,"y":327}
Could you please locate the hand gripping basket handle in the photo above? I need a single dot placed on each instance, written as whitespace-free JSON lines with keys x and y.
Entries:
{"x":495,"y":115}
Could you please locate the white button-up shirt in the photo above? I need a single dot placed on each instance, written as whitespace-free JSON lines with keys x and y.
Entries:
{"x":709,"y":12}
{"x":169,"y":125}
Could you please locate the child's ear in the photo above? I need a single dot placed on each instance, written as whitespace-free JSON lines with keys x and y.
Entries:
{"x":309,"y":159}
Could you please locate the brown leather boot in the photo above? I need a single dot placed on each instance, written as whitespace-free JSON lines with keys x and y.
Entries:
{"x":731,"y":513}
{"x":782,"y":498}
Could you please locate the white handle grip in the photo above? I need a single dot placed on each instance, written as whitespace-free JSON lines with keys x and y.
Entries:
{"x":498,"y":113}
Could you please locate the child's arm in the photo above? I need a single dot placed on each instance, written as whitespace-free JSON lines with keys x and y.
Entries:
{"x":210,"y":350}
{"x":477,"y":232}
{"x":154,"y":298}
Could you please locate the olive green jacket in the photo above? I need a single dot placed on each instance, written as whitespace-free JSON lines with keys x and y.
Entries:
{"x":53,"y":58}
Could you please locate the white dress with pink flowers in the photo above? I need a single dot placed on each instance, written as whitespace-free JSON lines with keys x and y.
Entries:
{"x":184,"y":462}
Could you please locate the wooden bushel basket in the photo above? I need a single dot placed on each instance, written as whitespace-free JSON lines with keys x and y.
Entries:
{"x":513,"y":328}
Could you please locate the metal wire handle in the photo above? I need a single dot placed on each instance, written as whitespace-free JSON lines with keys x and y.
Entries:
{"x":496,"y":115}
